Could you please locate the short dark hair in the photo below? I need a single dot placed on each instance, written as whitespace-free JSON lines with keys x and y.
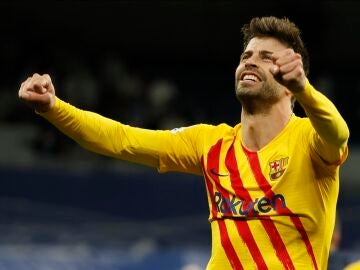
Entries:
{"x":282,"y":29}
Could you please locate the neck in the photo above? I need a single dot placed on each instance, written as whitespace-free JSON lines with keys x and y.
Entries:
{"x":258,"y":129}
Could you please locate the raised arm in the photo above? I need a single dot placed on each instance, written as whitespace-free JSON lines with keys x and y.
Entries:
{"x":331,"y":132}
{"x":163,"y":150}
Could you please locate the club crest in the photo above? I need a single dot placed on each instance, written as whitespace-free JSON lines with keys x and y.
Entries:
{"x":278,"y":167}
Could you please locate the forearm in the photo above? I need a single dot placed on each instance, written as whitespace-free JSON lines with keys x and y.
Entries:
{"x":99,"y":134}
{"x":331,"y":129}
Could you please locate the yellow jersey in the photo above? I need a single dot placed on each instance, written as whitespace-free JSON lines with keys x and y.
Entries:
{"x":270,"y":209}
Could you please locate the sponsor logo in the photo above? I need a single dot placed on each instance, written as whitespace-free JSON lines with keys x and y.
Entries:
{"x":278,"y":167}
{"x":238,"y":207}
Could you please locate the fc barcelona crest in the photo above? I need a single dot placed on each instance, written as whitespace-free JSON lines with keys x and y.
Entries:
{"x":278,"y":167}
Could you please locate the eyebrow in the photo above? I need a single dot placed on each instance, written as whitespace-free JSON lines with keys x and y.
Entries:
{"x":262,"y":53}
{"x":265,"y":53}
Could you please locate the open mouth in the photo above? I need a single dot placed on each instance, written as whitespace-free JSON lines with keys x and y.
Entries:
{"x":250,"y":77}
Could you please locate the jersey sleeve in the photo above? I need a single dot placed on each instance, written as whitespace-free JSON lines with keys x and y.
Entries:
{"x":330,"y":132}
{"x":177,"y":150}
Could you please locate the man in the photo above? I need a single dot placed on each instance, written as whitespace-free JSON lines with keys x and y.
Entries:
{"x":272,"y":180}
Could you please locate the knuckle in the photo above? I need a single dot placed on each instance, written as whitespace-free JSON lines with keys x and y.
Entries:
{"x":21,"y":95}
{"x":36,"y":84}
{"x":285,"y":77}
{"x":27,"y":86}
{"x":46,"y":79}
{"x":299,"y":69}
{"x":289,"y":51}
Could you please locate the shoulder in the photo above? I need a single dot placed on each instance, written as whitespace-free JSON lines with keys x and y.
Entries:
{"x":301,"y":125}
{"x":204,"y":128}
{"x":297,"y":120}
{"x":205,"y":134}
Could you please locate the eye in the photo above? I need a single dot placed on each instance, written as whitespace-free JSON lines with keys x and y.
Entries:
{"x":267,"y":58}
{"x":244,"y":57}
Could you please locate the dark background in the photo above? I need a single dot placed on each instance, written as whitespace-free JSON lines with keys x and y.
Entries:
{"x":196,"y":44}
{"x":121,"y":50}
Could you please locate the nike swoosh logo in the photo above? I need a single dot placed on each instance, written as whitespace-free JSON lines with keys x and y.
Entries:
{"x":214,"y":172}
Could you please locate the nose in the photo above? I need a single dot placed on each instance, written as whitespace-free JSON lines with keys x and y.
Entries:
{"x":250,"y":63}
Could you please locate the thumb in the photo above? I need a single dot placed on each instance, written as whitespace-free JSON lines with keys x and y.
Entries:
{"x":45,"y":103}
{"x":41,"y":99}
{"x":47,"y":83}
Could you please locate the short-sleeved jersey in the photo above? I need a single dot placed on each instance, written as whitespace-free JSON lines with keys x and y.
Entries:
{"x":270,"y":209}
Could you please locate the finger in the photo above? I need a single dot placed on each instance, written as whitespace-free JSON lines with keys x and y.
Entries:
{"x":38,"y":88}
{"x":285,"y":59}
{"x":35,"y":84}
{"x":280,"y":58}
{"x":280,"y":54}
{"x":22,"y":93}
{"x":274,"y":70}
{"x":288,"y":67}
{"x":47,"y":84}
{"x":21,"y":87}
{"x":295,"y":74}
{"x":25,"y":83}
{"x":45,"y":80}
{"x":36,"y":76}
{"x":41,"y":99}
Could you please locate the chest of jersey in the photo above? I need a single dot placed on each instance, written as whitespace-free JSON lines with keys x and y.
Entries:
{"x":241,"y":183}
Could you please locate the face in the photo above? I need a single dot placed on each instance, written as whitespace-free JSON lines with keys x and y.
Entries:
{"x":253,"y":79}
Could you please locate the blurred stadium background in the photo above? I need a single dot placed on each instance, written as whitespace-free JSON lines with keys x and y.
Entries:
{"x":161,"y":64}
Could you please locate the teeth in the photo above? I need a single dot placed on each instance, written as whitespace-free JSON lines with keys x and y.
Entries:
{"x":250,"y":77}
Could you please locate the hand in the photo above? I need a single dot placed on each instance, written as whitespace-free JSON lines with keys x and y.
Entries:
{"x":288,"y":70}
{"x":38,"y":92}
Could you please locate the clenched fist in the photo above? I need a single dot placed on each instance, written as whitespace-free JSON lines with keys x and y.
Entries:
{"x":288,"y":70}
{"x":38,"y":92}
